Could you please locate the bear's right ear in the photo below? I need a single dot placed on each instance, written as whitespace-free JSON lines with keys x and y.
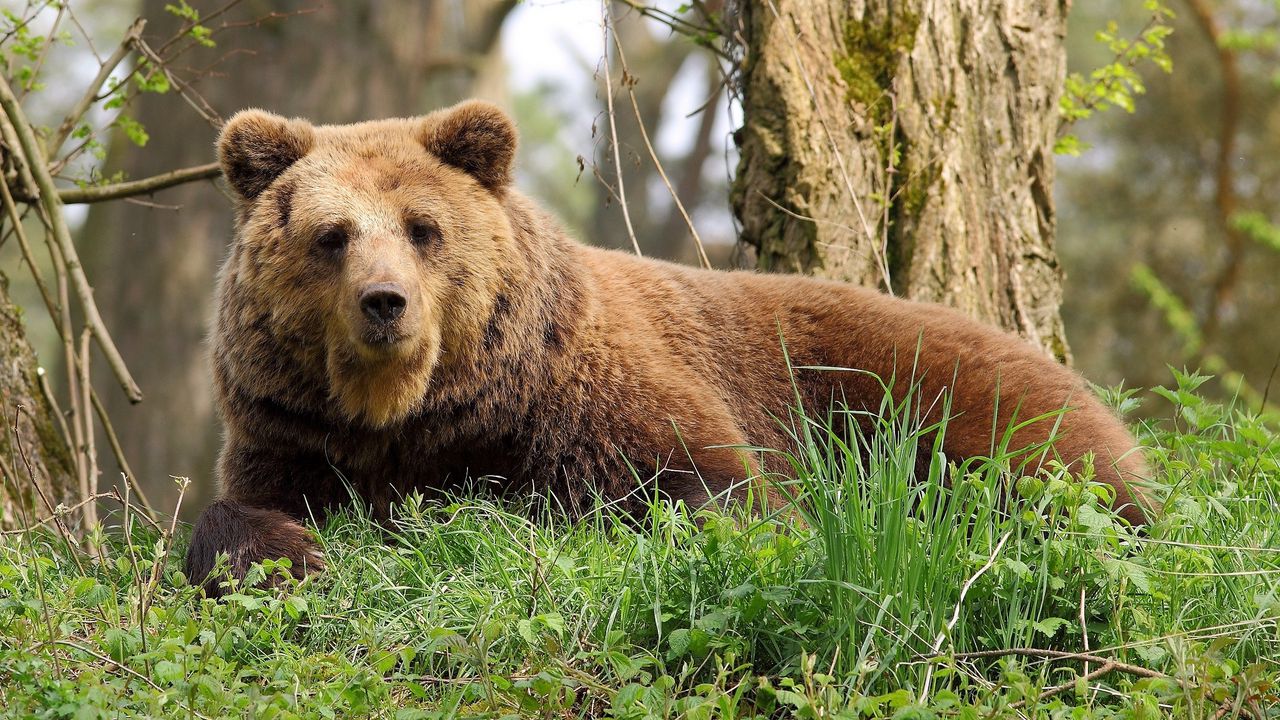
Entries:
{"x":255,"y":147}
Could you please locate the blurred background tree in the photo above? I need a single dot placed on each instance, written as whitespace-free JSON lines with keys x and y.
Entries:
{"x":1166,"y":237}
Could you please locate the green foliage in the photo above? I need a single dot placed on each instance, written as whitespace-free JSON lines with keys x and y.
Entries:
{"x":1176,"y":314}
{"x":1258,"y":228}
{"x":1117,"y":82}
{"x":843,"y":606}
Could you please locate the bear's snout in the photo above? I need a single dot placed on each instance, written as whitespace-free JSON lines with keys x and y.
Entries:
{"x":383,"y":303}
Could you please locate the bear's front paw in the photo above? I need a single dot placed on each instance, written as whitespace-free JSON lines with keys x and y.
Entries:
{"x":247,"y":535}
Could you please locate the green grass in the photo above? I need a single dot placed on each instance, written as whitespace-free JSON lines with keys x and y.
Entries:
{"x":875,"y":596}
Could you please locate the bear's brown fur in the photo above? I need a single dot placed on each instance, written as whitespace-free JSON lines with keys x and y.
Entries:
{"x":392,"y":310}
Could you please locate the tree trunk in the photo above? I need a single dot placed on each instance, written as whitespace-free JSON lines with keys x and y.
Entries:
{"x":35,"y":463}
{"x":154,"y":267}
{"x":907,"y":145}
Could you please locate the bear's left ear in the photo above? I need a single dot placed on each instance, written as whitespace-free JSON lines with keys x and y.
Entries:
{"x":476,"y":137}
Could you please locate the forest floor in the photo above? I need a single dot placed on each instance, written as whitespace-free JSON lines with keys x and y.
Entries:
{"x":964,"y":595}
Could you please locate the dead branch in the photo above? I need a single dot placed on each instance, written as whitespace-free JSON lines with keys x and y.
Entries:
{"x":628,"y":81}
{"x":1127,"y":668}
{"x":697,"y":33}
{"x":607,"y":28}
{"x":56,"y":514}
{"x":52,"y":206}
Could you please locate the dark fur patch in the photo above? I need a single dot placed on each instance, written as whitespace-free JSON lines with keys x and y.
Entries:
{"x":553,"y":335}
{"x":493,"y":331}
{"x":284,"y":202}
{"x":389,"y":181}
{"x":247,"y":535}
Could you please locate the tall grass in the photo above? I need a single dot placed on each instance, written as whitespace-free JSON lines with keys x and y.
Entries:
{"x":875,"y":595}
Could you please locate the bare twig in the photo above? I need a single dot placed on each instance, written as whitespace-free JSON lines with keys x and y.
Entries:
{"x":607,"y":27}
{"x":955,"y":613}
{"x":698,"y":33}
{"x":128,"y":670}
{"x":11,"y":210}
{"x":1127,"y":668}
{"x":91,"y":93}
{"x":48,"y":504}
{"x":109,"y":430}
{"x":57,"y":513}
{"x":89,"y":451}
{"x":192,"y":98}
{"x":31,"y":545}
{"x":44,"y":50}
{"x":629,"y":83}
{"x":52,"y":205}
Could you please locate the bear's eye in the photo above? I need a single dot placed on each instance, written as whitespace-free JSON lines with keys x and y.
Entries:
{"x":422,"y":232}
{"x":333,"y":240}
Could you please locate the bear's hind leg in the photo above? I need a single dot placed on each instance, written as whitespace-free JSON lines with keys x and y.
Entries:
{"x":247,"y":535}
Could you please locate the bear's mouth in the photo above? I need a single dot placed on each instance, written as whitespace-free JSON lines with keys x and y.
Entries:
{"x":382,"y":341}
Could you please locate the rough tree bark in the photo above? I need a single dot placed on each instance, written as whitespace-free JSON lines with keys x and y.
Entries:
{"x":907,"y":144}
{"x":334,"y":62}
{"x":35,"y":463}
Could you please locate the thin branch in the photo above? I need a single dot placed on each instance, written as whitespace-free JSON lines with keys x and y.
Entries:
{"x":145,"y":186}
{"x":629,"y":83}
{"x":607,"y":27}
{"x":185,"y":91}
{"x":91,"y":93}
{"x":130,"y":671}
{"x":52,"y":205}
{"x":1127,"y":668}
{"x":697,"y":33}
{"x":955,"y":613}
{"x":57,"y":513}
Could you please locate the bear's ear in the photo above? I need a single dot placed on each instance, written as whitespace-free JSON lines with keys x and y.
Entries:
{"x":256,"y":146}
{"x":476,"y":137}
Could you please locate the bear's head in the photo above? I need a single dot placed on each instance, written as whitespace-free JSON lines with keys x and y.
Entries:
{"x":378,"y":249}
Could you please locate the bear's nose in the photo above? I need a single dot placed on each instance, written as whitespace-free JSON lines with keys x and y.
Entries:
{"x":383,"y":302}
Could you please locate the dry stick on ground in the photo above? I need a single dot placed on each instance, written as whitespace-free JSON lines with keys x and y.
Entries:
{"x":1225,"y":200}
{"x":53,"y":208}
{"x":606,"y":28}
{"x":628,"y":81}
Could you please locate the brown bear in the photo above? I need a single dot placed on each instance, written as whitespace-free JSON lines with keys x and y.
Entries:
{"x":394,"y":314}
